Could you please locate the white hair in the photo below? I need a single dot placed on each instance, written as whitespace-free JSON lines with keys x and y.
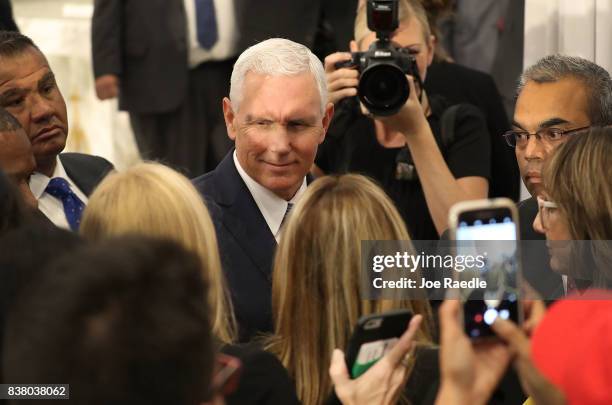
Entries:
{"x":277,"y":57}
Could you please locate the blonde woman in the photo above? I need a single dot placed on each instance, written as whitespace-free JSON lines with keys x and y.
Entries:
{"x":577,"y":206}
{"x":405,"y":148}
{"x":154,"y":200}
{"x":316,"y":293}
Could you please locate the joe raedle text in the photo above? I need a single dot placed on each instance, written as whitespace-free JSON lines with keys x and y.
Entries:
{"x":446,"y":282}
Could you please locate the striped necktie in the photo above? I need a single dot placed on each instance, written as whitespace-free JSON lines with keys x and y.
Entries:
{"x":289,"y":207}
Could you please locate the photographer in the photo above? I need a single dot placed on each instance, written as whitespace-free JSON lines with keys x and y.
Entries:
{"x":439,"y":167}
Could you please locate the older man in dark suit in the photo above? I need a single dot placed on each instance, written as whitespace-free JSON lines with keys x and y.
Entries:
{"x":277,"y":115}
{"x":29,"y":92}
{"x":170,"y":61}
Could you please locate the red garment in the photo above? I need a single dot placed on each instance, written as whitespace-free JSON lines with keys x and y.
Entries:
{"x":572,"y":347}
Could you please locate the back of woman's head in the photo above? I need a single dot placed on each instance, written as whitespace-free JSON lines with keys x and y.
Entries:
{"x":316,"y":293}
{"x":578,"y":178}
{"x":13,"y":211}
{"x":154,"y":200}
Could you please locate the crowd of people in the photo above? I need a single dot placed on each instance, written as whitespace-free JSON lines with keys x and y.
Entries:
{"x":243,"y":285}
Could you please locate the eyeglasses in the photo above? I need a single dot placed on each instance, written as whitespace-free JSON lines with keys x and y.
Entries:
{"x":520,"y":138}
{"x":227,"y":374}
{"x":545,"y":208}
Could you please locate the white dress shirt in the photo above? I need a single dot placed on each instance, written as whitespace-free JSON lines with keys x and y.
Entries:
{"x":271,"y":206}
{"x":50,"y":206}
{"x":227,"y":31}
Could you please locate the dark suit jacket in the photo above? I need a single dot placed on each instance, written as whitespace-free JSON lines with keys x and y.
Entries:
{"x":144,"y":42}
{"x":86,"y":171}
{"x":246,"y":245}
{"x":295,"y":20}
{"x":7,"y":22}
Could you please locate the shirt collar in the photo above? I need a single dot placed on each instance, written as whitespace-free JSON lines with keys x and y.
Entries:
{"x":39,"y":181}
{"x":271,"y":206}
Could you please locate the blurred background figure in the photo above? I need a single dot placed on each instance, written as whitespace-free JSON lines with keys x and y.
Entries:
{"x":487,"y":35}
{"x":16,"y":157}
{"x":7,"y":22}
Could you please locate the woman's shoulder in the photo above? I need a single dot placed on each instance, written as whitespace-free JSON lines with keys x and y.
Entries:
{"x":263,"y":380}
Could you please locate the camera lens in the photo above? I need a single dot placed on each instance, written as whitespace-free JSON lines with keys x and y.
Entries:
{"x":383,"y":89}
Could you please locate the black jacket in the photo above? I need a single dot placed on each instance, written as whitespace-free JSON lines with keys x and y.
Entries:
{"x":87,"y":171}
{"x":246,"y":245}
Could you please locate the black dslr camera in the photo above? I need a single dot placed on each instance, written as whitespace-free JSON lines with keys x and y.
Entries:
{"x":383,"y":87}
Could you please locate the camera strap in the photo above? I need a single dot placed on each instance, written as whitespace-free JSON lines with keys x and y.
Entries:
{"x":404,"y":169}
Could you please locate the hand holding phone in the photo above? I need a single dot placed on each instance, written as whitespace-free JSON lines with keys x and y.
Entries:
{"x":374,"y":336}
{"x":488,"y":229}
{"x":383,"y":382}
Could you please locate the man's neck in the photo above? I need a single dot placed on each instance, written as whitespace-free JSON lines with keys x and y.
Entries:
{"x":46,"y":166}
{"x":288,"y":195}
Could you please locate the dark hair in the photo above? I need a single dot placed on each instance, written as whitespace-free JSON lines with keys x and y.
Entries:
{"x":596,"y":80}
{"x":8,"y":122}
{"x":13,"y":212}
{"x":122,"y":322}
{"x":13,"y":43}
{"x":24,"y":252}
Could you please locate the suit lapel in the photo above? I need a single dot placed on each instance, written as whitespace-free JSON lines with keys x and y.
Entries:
{"x":241,"y":217}
{"x":80,"y":177}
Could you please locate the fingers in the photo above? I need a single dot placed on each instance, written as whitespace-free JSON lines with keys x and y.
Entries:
{"x":413,"y":94}
{"x":107,"y":86}
{"x":510,"y":333}
{"x":331,"y":60}
{"x":450,"y":328}
{"x":342,"y":94}
{"x":337,"y":369}
{"x":353,"y":46}
{"x":403,"y":346}
{"x":534,"y":312}
{"x":343,"y":82}
{"x":342,"y":78}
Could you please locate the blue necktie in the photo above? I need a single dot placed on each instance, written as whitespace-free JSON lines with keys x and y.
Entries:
{"x":73,"y":206}
{"x":206,"y":23}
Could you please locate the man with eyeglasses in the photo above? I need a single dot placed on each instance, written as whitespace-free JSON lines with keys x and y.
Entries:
{"x":557,"y":97}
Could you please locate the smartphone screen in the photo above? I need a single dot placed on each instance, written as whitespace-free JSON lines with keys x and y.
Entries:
{"x":495,"y":231}
{"x":370,"y":353}
{"x":373,"y":337}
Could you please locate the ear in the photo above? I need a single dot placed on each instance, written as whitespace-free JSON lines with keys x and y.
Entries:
{"x":327,"y":117}
{"x":229,"y":116}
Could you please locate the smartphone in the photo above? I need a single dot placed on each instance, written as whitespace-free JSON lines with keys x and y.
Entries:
{"x":489,"y":231}
{"x":373,"y":337}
